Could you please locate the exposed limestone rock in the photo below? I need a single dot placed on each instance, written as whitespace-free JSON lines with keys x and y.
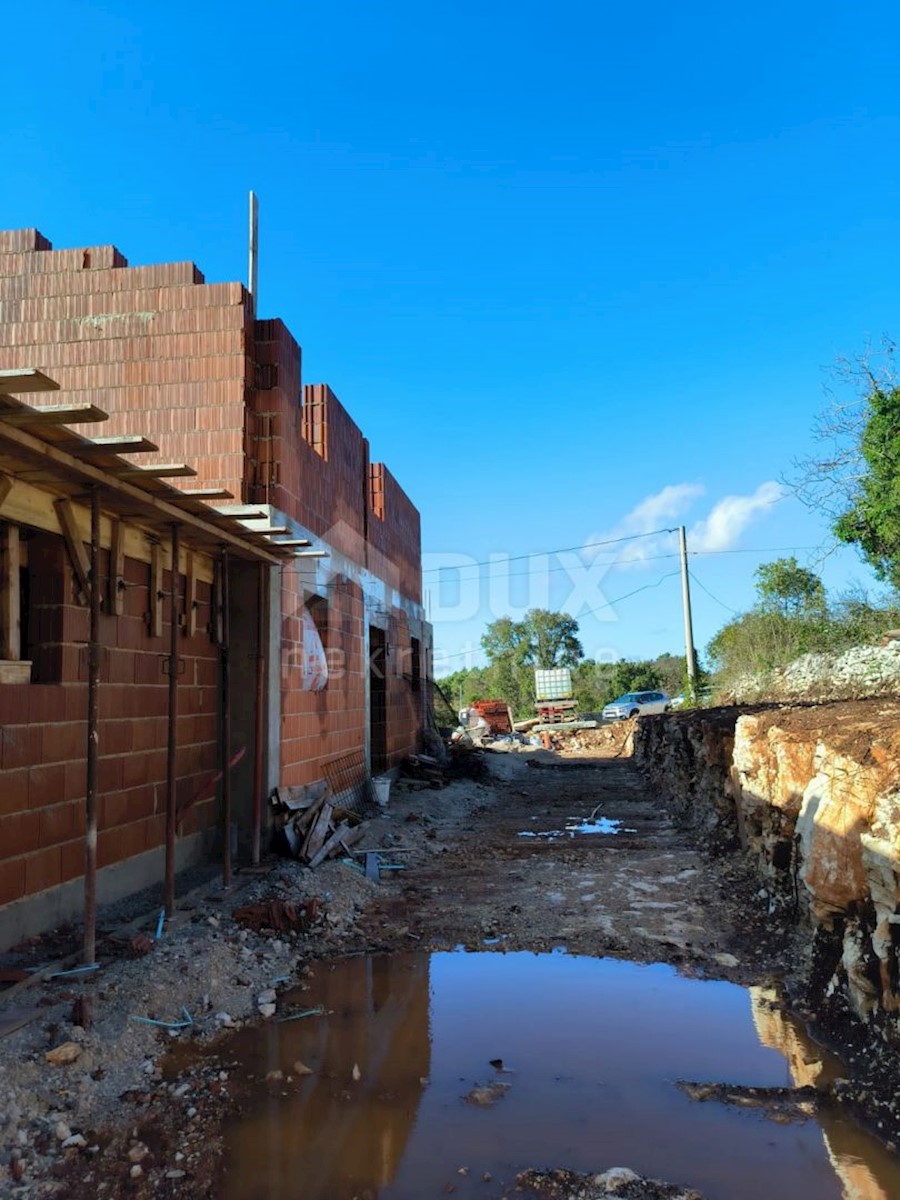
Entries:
{"x":688,"y":756}
{"x":770,"y":771}
{"x":837,"y":807}
{"x":848,"y":675}
{"x":810,"y":792}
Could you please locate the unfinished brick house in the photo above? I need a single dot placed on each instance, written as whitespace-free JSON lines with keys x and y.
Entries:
{"x":217,"y":397}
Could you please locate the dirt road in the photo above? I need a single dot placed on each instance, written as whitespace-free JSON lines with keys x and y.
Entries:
{"x":558,"y":852}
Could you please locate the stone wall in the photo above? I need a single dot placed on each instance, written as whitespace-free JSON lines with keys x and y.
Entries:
{"x":846,"y":675}
{"x":811,"y":793}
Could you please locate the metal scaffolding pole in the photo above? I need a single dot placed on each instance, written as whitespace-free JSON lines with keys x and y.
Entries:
{"x":259,"y":756}
{"x":225,"y":680}
{"x":93,"y":740}
{"x":171,"y":775}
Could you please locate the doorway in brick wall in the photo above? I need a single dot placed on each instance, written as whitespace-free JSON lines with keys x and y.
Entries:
{"x":377,"y":700}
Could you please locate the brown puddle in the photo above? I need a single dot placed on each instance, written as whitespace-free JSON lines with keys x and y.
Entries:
{"x":591,"y":1050}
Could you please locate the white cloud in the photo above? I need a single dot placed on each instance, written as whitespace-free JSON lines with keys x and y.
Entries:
{"x":721,"y":529}
{"x":728,"y":519}
{"x":660,"y":508}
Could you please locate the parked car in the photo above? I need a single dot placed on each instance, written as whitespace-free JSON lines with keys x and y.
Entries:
{"x":636,"y":704}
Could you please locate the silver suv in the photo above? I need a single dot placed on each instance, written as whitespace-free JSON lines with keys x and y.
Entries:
{"x":636,"y":704}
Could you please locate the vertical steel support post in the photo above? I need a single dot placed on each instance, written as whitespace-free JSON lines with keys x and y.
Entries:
{"x":225,"y":681}
{"x":259,"y":756}
{"x":93,"y":741}
{"x":171,"y":776}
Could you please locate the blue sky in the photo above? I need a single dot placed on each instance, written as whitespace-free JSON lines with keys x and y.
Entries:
{"x":570,"y":266}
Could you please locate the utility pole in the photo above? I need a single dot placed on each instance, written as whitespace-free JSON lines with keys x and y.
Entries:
{"x":690,"y":657}
{"x":253,"y":244}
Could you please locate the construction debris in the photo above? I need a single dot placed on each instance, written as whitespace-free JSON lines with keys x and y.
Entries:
{"x":64,"y":1055}
{"x":277,"y":915}
{"x":313,"y":828}
{"x":422,"y":771}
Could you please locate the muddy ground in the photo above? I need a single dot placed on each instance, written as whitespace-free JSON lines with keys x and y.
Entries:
{"x":486,"y":862}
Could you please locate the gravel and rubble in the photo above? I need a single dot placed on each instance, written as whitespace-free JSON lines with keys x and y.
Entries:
{"x":619,"y":1182}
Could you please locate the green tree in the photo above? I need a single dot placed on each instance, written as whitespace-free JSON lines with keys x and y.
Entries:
{"x":784,"y":586}
{"x":671,"y":670}
{"x":515,"y":648}
{"x":464,"y":686}
{"x":872,"y":519}
{"x":551,"y":639}
{"x":593,"y":685}
{"x":634,"y":677}
{"x":505,"y":639}
{"x":856,"y":481}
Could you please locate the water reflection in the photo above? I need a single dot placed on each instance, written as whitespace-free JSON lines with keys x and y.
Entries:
{"x":591,"y":1050}
{"x":330,"y":1134}
{"x":812,"y":1066}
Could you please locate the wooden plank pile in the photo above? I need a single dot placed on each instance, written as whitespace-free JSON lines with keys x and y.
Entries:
{"x":316,"y":828}
{"x":422,"y":771}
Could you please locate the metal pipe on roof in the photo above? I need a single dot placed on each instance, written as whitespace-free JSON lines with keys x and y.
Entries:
{"x":172,"y":746}
{"x":93,"y":741}
{"x":253,"y":250}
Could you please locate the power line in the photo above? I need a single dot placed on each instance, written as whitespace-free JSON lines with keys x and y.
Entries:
{"x":628,"y":595}
{"x":751,"y":550}
{"x":609,"y":604}
{"x":704,"y":588}
{"x":613,"y":562}
{"x":631,"y":537}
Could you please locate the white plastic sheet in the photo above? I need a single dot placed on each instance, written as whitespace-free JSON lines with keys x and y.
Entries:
{"x":315,"y":664}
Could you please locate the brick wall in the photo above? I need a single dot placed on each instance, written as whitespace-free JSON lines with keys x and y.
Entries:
{"x":312,"y":462}
{"x":159,"y":350}
{"x":43,"y":733}
{"x":404,"y":698}
{"x":184,"y":363}
{"x":317,"y":726}
{"x":394,"y":534}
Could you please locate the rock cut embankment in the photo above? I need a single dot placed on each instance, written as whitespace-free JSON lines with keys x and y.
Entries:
{"x":812,"y":794}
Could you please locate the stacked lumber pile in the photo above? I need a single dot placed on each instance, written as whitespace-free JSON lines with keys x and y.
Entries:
{"x":422,"y":771}
{"x":312,"y":826}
